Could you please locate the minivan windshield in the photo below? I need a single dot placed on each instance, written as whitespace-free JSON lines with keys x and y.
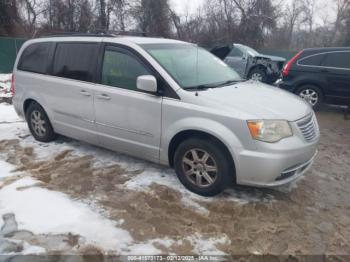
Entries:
{"x":192,"y":66}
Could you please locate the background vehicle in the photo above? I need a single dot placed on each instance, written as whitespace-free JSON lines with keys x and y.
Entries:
{"x":319,"y":75}
{"x":134,"y":95}
{"x":250,"y":64}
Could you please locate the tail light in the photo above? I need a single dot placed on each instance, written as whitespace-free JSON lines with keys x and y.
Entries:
{"x":12,"y":89}
{"x":288,"y":66}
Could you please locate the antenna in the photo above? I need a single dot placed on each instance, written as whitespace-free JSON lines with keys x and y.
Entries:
{"x":197,"y":79}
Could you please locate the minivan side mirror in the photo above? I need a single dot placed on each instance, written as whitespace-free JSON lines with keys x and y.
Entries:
{"x":147,"y":83}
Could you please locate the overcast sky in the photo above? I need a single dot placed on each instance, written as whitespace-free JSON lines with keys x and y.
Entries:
{"x":324,"y":8}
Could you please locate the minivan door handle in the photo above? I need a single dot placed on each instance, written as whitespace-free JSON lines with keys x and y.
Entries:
{"x":104,"y":97}
{"x":85,"y":93}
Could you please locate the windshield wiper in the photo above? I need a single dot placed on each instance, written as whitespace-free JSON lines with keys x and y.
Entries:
{"x":200,"y":87}
{"x":227,"y":83}
{"x":215,"y":85}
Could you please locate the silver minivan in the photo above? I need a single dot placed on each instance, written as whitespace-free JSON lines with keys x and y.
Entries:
{"x":168,"y":102}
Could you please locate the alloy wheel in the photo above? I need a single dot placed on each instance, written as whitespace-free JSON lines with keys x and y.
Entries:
{"x":257,"y":77}
{"x":200,"y":167}
{"x":310,"y":96}
{"x":38,"y":123}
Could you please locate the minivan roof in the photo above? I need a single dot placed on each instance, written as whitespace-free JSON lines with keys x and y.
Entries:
{"x":133,"y":39}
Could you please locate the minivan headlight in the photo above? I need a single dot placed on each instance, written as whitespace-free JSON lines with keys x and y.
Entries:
{"x":269,"y":130}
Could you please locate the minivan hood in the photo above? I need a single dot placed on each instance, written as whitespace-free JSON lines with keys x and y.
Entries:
{"x":257,"y":100}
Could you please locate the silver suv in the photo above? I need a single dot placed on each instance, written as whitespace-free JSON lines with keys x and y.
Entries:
{"x":168,"y":102}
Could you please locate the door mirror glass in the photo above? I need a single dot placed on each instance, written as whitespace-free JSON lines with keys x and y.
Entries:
{"x":147,"y":83}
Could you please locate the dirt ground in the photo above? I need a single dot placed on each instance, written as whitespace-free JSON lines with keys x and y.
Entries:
{"x":312,"y":216}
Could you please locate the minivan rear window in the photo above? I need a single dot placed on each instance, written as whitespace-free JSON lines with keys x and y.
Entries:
{"x":75,"y":61}
{"x":34,"y":58}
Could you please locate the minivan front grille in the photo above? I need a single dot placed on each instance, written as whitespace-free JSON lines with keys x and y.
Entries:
{"x":308,"y":127}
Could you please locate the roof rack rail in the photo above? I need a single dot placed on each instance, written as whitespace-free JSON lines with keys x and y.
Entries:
{"x":62,"y":34}
{"x":97,"y":33}
{"x":118,"y":33}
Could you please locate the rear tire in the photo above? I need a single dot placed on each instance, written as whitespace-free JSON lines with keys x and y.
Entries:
{"x":39,"y":123}
{"x":203,"y":167}
{"x":311,"y":94}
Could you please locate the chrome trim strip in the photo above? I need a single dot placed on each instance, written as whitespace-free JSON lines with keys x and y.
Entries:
{"x":107,"y":125}
{"x":127,"y":130}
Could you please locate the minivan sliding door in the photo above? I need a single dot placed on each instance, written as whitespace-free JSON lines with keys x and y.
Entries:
{"x":71,"y":89}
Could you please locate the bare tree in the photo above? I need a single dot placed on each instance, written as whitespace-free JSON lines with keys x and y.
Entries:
{"x":342,"y":12}
{"x":85,"y":16}
{"x":292,"y":15}
{"x":121,"y":12}
{"x":10,"y":21}
{"x":308,"y":12}
{"x":153,"y":17}
{"x":102,"y":15}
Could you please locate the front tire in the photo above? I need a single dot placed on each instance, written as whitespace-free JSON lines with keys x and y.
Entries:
{"x":311,"y":94}
{"x":39,"y":123}
{"x":203,"y":167}
{"x":258,"y":74}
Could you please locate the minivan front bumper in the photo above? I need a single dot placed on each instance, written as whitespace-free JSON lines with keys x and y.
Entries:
{"x":270,"y":170}
{"x":275,"y":164}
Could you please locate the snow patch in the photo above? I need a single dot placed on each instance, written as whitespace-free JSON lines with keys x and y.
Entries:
{"x":5,"y":169}
{"x":43,"y":211}
{"x":207,"y":246}
{"x":8,"y":114}
{"x":32,"y":250}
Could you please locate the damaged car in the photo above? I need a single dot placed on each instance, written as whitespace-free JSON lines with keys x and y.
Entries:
{"x":249,"y":63}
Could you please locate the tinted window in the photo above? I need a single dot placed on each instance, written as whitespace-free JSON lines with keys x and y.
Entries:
{"x":75,"y":60}
{"x":337,"y":59}
{"x":314,"y":60}
{"x":121,"y":69}
{"x":34,"y":58}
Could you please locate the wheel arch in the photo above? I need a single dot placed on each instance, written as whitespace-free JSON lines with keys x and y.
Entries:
{"x":27,"y":102}
{"x":257,"y":66}
{"x":309,"y":83}
{"x":190,"y":133}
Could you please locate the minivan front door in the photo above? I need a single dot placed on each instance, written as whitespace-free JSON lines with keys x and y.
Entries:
{"x":128,"y":120}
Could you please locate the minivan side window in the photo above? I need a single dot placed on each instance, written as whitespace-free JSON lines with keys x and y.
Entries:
{"x":75,"y":61}
{"x":337,"y":60}
{"x":313,"y":60}
{"x":34,"y":58}
{"x":121,"y":69}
